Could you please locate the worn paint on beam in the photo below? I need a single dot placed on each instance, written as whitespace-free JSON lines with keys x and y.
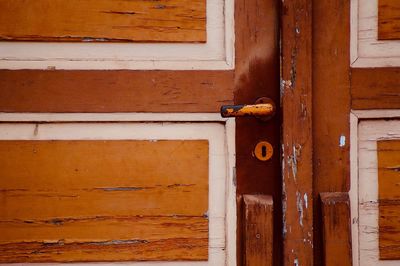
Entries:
{"x":296,"y":91}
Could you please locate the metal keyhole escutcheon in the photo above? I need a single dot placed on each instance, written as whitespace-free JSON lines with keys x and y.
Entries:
{"x":263,"y":151}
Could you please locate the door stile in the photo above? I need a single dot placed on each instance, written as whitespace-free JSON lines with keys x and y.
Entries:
{"x":296,"y":90}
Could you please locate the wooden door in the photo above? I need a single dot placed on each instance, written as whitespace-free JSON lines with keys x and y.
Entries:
{"x":112,"y":148}
{"x":340,"y":103}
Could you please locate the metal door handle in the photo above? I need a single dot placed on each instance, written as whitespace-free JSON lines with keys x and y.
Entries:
{"x":264,"y":108}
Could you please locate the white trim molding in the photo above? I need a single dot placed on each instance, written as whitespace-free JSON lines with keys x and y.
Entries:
{"x":365,"y":48}
{"x":366,"y":128}
{"x":217,"y":53}
{"x":219,"y":132}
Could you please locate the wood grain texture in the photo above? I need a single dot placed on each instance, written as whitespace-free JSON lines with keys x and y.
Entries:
{"x":336,"y":228}
{"x":257,"y":75}
{"x":83,"y":200}
{"x":388,"y":20}
{"x":389,"y":199}
{"x":297,"y":140}
{"x":114,"y":91}
{"x":167,"y":249}
{"x":331,"y":106}
{"x":375,"y":88}
{"x":103,"y":20}
{"x":258,"y":213}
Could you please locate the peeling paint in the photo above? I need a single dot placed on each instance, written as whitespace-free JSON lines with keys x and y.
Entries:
{"x":293,"y":162}
{"x":299,"y":203}
{"x":342,"y":141}
{"x":284,"y":209}
{"x":285,"y":84}
{"x":305,"y":200}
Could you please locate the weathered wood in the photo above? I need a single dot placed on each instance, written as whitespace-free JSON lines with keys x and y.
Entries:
{"x":331,"y":105}
{"x":103,"y":20}
{"x":257,"y":75}
{"x":388,"y":20}
{"x":258,"y":212}
{"x":336,"y":228}
{"x":129,"y":250}
{"x":102,"y":228}
{"x":114,"y":91}
{"x":375,"y":88}
{"x":72,"y":200}
{"x":389,"y":199}
{"x":297,"y":140}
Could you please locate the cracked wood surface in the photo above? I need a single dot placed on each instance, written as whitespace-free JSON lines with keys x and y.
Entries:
{"x":85,"y":200}
{"x":103,"y":20}
{"x":389,"y":198}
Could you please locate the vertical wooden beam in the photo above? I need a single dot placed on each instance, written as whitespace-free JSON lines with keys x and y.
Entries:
{"x":296,"y":91}
{"x":257,"y":75}
{"x":331,"y":105}
{"x":258,"y":230}
{"x":336,"y":228}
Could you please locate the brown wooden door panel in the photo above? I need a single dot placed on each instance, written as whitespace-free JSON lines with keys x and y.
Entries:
{"x":84,"y":200}
{"x":103,"y":21}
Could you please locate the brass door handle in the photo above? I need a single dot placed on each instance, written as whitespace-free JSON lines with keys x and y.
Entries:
{"x":264,"y":109}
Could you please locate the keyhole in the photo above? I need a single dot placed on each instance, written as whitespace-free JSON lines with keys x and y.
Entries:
{"x":264,"y":151}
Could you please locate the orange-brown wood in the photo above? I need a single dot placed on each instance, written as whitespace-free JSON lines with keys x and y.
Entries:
{"x":258,"y":213}
{"x":375,"y":88}
{"x":167,"y":249}
{"x":297,"y":140}
{"x":336,"y":228}
{"x":389,"y":230}
{"x":331,"y":107}
{"x":257,"y":75}
{"x":103,"y":20}
{"x":389,"y":20}
{"x":83,"y":200}
{"x":114,"y":91}
{"x":389,"y":199}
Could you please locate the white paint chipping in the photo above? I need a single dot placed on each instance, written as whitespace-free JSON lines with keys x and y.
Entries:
{"x":342,"y":141}
{"x":305,"y":200}
{"x":299,"y":203}
{"x":219,"y":133}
